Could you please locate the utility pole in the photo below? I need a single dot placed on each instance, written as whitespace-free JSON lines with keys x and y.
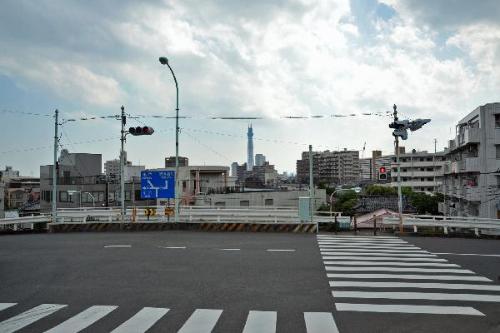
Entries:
{"x":122,"y":164}
{"x":400,"y":195}
{"x":54,"y":168}
{"x":311,"y":183}
{"x":401,"y":128}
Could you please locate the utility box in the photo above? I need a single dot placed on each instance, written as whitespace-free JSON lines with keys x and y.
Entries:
{"x":305,"y":209}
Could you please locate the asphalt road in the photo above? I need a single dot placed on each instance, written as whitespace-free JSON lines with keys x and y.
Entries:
{"x":232,"y":275}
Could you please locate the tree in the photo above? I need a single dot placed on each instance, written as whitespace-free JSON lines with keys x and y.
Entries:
{"x":346,"y":201}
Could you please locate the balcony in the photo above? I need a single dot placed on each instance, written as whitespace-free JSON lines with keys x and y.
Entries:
{"x":470,"y":135}
{"x":470,"y":164}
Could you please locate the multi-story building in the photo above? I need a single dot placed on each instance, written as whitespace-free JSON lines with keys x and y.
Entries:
{"x":20,"y":193}
{"x":366,"y":171}
{"x":472,"y":170}
{"x":198,"y":181}
{"x":331,"y":167}
{"x":80,"y":182}
{"x":260,"y":159}
{"x":421,"y":171}
{"x":170,"y":161}
{"x":2,"y":195}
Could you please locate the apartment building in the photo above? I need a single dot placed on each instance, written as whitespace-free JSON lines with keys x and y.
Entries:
{"x":471,"y":182}
{"x":331,"y":167}
{"x":421,"y":171}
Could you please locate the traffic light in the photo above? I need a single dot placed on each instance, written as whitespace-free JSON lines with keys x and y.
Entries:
{"x":382,"y":173}
{"x":146,"y":130}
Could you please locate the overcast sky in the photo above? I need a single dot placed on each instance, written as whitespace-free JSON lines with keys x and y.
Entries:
{"x":434,"y":59}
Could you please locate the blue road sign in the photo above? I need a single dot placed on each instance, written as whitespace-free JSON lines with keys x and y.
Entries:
{"x":157,"y":184}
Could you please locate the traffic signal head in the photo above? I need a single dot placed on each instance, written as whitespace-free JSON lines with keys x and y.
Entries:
{"x":382,"y":173}
{"x":146,"y":130}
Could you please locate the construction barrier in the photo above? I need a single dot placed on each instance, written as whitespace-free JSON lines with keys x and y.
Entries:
{"x":157,"y":226}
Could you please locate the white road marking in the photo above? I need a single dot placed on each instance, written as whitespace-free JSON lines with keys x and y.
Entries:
{"x":359,"y":257}
{"x":173,"y":247}
{"x":118,"y":245}
{"x":320,"y":322}
{"x":4,"y":306}
{"x":356,"y":239}
{"x":83,"y":320}
{"x":423,"y":285}
{"x":201,"y":321}
{"x":28,"y":317}
{"x":260,"y":322}
{"x":402,"y":308}
{"x":399,"y":269}
{"x":348,"y":242}
{"x":417,"y":295}
{"x":141,"y":321}
{"x":402,"y":248}
{"x":323,"y":249}
{"x":280,"y":250}
{"x":409,"y":277}
{"x":469,"y":254}
{"x":417,"y":255}
{"x":229,"y":249}
{"x":388,"y":263}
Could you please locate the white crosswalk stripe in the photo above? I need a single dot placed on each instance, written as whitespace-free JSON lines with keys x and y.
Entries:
{"x":141,"y":321}
{"x":336,"y":250}
{"x":83,"y":320}
{"x":320,"y":322}
{"x":418,"y":295}
{"x":359,"y":257}
{"x":356,"y":266}
{"x":29,"y":317}
{"x":378,"y":254}
{"x":260,"y":322}
{"x":398,"y":269}
{"x":201,"y":321}
{"x":403,"y":308}
{"x":422,"y":285}
{"x":4,"y":306}
{"x":388,"y":263}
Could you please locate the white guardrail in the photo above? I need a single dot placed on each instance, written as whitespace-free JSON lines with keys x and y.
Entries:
{"x":447,"y":223}
{"x":187,"y":214}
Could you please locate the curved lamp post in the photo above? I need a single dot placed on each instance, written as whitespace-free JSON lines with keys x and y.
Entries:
{"x":164,"y":61}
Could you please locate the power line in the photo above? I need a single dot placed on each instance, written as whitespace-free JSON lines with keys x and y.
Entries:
{"x":27,"y":113}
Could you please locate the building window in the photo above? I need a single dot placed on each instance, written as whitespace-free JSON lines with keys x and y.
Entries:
{"x":498,"y":151}
{"x":244,"y":203}
{"x":268,"y":202}
{"x":220,"y":204}
{"x":127,"y":195}
{"x":63,"y":196}
{"x":429,"y":169}
{"x":422,"y":179}
{"x":497,"y":120}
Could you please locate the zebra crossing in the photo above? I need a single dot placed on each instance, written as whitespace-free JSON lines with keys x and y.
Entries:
{"x":388,"y":275}
{"x":200,"y":321}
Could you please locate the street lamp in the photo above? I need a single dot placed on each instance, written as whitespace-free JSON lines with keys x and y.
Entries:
{"x":164,"y":61}
{"x":355,"y":189}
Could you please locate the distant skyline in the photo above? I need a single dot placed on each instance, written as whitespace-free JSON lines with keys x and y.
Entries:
{"x":268,"y":59}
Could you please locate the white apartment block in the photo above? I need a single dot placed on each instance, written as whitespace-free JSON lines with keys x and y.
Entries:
{"x":472,"y":170}
{"x":421,"y":171}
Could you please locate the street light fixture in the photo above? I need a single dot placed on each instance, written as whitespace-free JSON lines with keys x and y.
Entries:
{"x":164,"y":61}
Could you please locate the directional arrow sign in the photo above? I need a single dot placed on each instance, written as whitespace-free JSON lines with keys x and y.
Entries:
{"x":157,"y":184}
